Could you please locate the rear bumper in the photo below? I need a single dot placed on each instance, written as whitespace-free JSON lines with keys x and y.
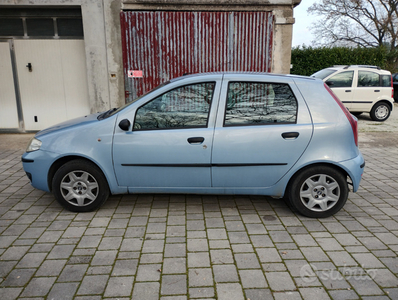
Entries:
{"x":354,"y":168}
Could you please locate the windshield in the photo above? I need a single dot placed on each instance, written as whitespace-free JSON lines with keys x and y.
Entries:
{"x":322,"y":74}
{"x":116,"y":110}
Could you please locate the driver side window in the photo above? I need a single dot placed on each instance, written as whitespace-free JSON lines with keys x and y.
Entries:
{"x":184,"y":107}
{"x":343,"y":79}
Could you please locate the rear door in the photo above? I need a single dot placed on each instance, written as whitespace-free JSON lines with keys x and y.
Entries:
{"x":263,"y":126}
{"x":369,"y":90}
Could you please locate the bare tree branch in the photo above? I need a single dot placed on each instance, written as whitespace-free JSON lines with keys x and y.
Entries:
{"x":364,"y":23}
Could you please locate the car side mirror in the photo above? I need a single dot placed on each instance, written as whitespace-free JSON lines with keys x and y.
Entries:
{"x":329,"y":83}
{"x":124,"y":124}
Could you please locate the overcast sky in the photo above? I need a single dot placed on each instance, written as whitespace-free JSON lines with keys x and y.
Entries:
{"x":301,"y":32}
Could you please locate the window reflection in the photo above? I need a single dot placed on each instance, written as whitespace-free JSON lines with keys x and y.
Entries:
{"x":343,"y":79}
{"x":184,"y":107}
{"x":259,"y":103}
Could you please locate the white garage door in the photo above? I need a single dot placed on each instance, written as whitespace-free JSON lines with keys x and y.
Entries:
{"x":52,"y":80}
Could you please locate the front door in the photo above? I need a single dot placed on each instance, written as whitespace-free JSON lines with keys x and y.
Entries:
{"x":261,"y":133}
{"x":171,"y":140}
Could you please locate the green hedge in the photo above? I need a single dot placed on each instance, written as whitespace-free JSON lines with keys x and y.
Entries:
{"x":308,"y":60}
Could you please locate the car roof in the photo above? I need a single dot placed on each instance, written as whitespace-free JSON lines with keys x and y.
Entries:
{"x":244,"y":74}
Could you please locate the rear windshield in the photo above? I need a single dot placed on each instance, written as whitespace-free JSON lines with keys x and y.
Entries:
{"x":322,"y":74}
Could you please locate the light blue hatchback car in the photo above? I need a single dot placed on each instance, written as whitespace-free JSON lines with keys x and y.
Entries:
{"x":214,"y":133}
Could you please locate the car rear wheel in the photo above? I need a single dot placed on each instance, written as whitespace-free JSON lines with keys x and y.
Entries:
{"x":80,"y":186}
{"x":318,"y":192}
{"x":380,"y":112}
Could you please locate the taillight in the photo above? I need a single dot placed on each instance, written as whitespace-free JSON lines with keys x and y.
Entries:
{"x":392,"y":88}
{"x":353,"y":122}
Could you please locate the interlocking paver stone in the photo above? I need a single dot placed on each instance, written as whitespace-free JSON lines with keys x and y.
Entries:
{"x":150,"y":272}
{"x":223,"y":256}
{"x":73,"y":273}
{"x":200,"y":277}
{"x":18,"y":277}
{"x":125,"y":267}
{"x":175,"y":250}
{"x":146,"y":290}
{"x":200,"y":259}
{"x":63,"y":290}
{"x":252,"y":279}
{"x":119,"y":287}
{"x":229,"y":291}
{"x":31,"y":260}
{"x":197,"y":245}
{"x":225,"y":273}
{"x":174,"y":284}
{"x":38,"y":287}
{"x":51,"y":267}
{"x":247,"y":261}
{"x":93,"y":284}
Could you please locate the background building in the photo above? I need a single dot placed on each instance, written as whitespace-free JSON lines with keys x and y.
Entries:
{"x":64,"y":59}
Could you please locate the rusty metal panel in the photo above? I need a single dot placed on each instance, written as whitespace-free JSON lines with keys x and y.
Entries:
{"x":164,"y":45}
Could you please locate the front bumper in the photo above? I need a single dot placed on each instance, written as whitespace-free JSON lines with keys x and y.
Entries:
{"x":36,"y":165}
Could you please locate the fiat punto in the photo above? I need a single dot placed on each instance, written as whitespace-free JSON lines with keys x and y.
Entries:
{"x":216,"y":133}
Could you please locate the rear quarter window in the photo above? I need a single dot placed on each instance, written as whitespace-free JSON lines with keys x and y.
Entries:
{"x":385,"y":80}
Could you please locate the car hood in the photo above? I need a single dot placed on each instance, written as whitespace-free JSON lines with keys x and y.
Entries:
{"x":69,"y":124}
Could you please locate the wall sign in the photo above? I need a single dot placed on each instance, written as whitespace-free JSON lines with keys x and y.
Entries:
{"x":135,"y":73}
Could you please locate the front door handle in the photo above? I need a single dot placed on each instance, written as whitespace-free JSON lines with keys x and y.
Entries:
{"x":377,"y":91}
{"x":290,"y":135}
{"x":348,"y":91}
{"x":196,"y":140}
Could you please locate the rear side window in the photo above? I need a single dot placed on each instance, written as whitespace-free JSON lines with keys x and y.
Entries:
{"x":366,"y":78}
{"x":343,"y":79}
{"x":252,"y":103}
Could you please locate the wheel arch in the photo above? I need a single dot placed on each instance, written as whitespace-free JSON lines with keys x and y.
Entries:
{"x":390,"y":105}
{"x":63,"y":160}
{"x":320,"y":164}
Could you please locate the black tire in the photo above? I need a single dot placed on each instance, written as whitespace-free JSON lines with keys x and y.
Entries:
{"x":380,"y":112}
{"x":318,"y":192}
{"x":80,"y":186}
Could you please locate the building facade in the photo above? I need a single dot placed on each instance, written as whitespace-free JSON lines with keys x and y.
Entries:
{"x":62,"y":59}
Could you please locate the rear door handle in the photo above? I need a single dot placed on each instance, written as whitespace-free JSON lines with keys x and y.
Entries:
{"x":377,"y":91}
{"x":348,"y":91}
{"x":290,"y":135}
{"x":196,"y":140}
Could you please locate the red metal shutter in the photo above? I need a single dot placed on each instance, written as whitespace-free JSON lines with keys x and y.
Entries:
{"x":164,"y":45}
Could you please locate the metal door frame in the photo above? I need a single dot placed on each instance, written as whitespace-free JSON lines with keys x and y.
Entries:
{"x":21,"y":127}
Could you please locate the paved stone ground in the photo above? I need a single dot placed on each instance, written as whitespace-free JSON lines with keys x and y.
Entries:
{"x":199,"y":247}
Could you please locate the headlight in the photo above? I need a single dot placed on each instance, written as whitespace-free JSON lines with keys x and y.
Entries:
{"x":34,"y":145}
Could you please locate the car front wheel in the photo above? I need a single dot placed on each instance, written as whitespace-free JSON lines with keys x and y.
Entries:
{"x":80,"y":186}
{"x":380,"y":112}
{"x":318,"y":192}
